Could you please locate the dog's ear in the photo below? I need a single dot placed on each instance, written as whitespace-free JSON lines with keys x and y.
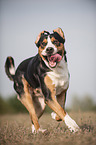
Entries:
{"x":60,"y":32}
{"x":38,"y":38}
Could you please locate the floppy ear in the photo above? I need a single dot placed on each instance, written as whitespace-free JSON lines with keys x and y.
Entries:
{"x":38,"y":38}
{"x":60,"y":32}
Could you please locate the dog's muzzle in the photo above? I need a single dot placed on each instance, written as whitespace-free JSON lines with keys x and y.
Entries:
{"x":53,"y":58}
{"x":50,"y":50}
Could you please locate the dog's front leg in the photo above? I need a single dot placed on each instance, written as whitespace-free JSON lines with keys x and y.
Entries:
{"x":61,"y":98}
{"x":55,"y":106}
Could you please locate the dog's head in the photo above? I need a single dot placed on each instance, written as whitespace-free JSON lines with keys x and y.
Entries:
{"x":51,"y":46}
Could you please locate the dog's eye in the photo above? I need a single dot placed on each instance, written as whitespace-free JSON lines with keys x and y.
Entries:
{"x":43,"y":44}
{"x":56,"y":42}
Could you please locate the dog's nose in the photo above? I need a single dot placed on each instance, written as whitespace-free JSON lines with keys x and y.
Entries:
{"x":50,"y":50}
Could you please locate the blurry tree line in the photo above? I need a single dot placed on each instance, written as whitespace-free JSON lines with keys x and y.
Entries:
{"x":84,"y":104}
{"x":13,"y":105}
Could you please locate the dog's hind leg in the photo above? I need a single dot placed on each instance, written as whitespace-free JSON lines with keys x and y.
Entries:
{"x":27,"y":101}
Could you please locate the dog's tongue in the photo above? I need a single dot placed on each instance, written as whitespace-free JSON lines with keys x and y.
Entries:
{"x":53,"y":59}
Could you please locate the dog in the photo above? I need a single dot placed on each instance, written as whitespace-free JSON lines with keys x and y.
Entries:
{"x":43,"y":79}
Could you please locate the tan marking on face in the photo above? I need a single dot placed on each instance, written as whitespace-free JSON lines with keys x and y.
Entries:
{"x":40,"y":51}
{"x":61,"y":48}
{"x":53,"y":39}
{"x":45,"y":40}
{"x":43,"y":44}
{"x":41,"y":48}
{"x":38,"y":37}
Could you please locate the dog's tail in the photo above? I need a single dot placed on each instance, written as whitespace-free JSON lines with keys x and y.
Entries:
{"x":10,"y":68}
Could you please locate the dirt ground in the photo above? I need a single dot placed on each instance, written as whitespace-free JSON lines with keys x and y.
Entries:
{"x":16,"y":130}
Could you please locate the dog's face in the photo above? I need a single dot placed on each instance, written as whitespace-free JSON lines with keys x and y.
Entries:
{"x":51,"y":46}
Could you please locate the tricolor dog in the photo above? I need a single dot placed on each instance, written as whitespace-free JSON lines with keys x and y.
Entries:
{"x":43,"y":79}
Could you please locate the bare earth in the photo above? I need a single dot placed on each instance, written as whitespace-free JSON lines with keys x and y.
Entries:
{"x":16,"y":130}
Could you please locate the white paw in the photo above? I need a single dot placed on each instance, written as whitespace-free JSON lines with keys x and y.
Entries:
{"x":53,"y":115}
{"x":39,"y":130}
{"x":71,"y":123}
{"x":33,"y":129}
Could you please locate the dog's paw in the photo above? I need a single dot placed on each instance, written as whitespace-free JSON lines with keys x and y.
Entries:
{"x":53,"y":115}
{"x":39,"y":130}
{"x":33,"y":129}
{"x":73,"y":127}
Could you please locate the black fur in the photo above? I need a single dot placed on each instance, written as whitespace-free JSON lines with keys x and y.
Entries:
{"x":9,"y":64}
{"x":58,"y":37}
{"x":34,"y":70}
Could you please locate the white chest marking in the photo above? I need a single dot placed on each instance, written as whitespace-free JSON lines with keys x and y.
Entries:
{"x":60,"y":76}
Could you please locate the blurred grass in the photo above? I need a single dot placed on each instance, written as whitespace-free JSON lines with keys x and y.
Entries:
{"x":15,"y":124}
{"x":16,"y":130}
{"x":11,"y":105}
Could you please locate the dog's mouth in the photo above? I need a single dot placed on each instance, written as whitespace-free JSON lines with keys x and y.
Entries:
{"x":53,"y":59}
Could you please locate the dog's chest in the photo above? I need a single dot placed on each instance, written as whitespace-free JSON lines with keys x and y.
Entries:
{"x":60,"y":77}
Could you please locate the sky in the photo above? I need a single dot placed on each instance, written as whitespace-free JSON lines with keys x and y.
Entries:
{"x":21,"y":21}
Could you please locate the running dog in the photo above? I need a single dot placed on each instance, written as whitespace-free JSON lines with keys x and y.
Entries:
{"x":43,"y":79}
